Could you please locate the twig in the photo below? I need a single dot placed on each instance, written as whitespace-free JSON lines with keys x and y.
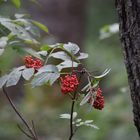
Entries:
{"x":20,"y":116}
{"x":33,"y":125}
{"x":23,"y":131}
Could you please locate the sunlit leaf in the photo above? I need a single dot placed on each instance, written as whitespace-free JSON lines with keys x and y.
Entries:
{"x":41,"y":26}
{"x":17,"y":3}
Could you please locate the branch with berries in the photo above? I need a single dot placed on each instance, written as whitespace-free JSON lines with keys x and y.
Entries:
{"x":40,"y":69}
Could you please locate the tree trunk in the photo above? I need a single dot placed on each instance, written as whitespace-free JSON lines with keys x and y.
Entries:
{"x":129,"y":19}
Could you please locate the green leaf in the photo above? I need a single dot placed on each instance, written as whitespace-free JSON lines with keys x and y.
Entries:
{"x":61,"y":55}
{"x":17,"y":3}
{"x":33,"y":53}
{"x":41,"y":26}
{"x":95,"y":83}
{"x":20,"y":15}
{"x":85,"y":99}
{"x":103,"y":74}
{"x":44,"y":78}
{"x":28,"y":73}
{"x":91,"y":125}
{"x":13,"y":78}
{"x":17,"y":30}
{"x":48,"y":69}
{"x":82,"y":56}
{"x":88,"y":121}
{"x":43,"y":53}
{"x":45,"y":47}
{"x":72,"y":48}
{"x":3,"y":43}
{"x":3,"y":80}
{"x":46,"y":74}
{"x":67,"y":116}
{"x":67,"y":64}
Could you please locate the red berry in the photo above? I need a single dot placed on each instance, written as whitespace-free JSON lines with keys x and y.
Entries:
{"x":32,"y":63}
{"x":69,"y":83}
{"x":99,"y":101}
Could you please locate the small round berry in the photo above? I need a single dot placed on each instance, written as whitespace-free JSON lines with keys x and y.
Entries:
{"x":69,"y":83}
{"x":32,"y":63}
{"x":99,"y":101}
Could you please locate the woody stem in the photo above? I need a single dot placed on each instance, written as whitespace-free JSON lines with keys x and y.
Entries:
{"x":72,"y":132}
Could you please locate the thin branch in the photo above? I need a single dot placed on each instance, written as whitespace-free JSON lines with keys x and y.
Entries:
{"x":23,"y":131}
{"x":19,"y":114}
{"x":49,"y":55}
{"x":33,"y":126}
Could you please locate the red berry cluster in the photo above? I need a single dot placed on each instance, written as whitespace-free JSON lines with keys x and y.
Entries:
{"x":99,"y":101}
{"x":32,"y":63}
{"x":69,"y":83}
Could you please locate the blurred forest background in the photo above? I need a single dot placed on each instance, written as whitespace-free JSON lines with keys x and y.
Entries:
{"x":79,"y":22}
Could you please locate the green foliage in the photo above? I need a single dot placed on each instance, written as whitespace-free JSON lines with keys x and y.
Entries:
{"x":17,"y":3}
{"x":47,"y":74}
{"x":41,"y":26}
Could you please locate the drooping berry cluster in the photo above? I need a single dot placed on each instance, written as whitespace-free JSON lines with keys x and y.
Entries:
{"x":32,"y":63}
{"x":69,"y":83}
{"x":99,"y":101}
